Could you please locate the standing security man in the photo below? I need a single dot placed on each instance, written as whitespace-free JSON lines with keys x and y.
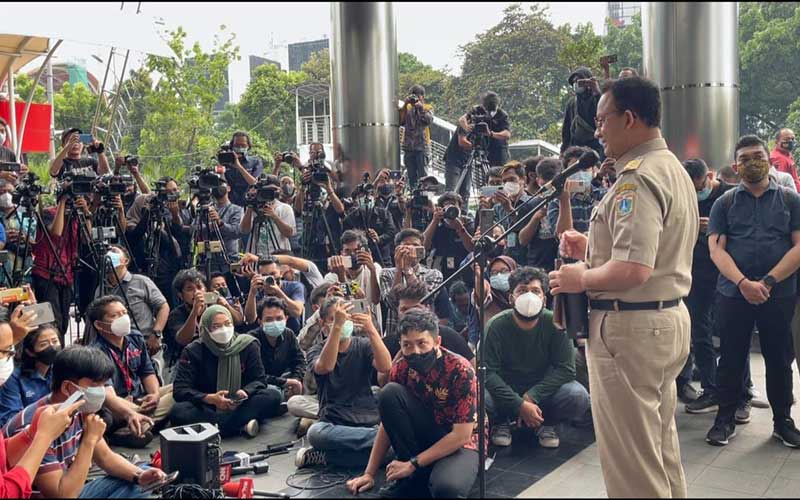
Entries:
{"x":637,"y":270}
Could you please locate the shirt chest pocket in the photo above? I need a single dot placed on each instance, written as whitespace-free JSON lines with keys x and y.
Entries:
{"x":779,"y":222}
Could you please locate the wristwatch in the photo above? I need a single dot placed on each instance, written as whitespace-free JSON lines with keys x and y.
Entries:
{"x":157,"y":334}
{"x":769,"y":280}
{"x":414,"y":462}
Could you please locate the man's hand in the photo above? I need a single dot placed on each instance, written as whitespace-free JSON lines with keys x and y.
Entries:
{"x":149,"y":403}
{"x":607,"y":167}
{"x":9,"y":177}
{"x":438,"y":215}
{"x":199,"y":304}
{"x":373,"y":235}
{"x":341,"y":313}
{"x":153,"y":345}
{"x":138,"y":423}
{"x":23,"y":170}
{"x":704,"y":224}
{"x":52,"y":422}
{"x":755,"y":292}
{"x":573,"y":244}
{"x":116,"y":201}
{"x":151,"y":475}
{"x":220,"y":401}
{"x":540,"y":214}
{"x":293,"y":387}
{"x":530,"y":414}
{"x":398,"y":470}
{"x":364,"y":323}
{"x":80,"y":203}
{"x":360,"y":484}
{"x":364,"y":258}
{"x":93,"y":429}
{"x":21,"y":322}
{"x":485,"y":202}
{"x":504,"y":201}
{"x":213,"y":215}
{"x":568,"y":279}
{"x":269,"y":212}
{"x":256,"y":283}
{"x":337,"y":265}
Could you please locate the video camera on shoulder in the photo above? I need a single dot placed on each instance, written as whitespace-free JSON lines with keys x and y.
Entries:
{"x":225,"y":155}
{"x":261,"y":193}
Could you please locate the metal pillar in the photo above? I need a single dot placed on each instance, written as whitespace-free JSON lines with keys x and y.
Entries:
{"x":691,"y":52}
{"x":364,"y":87}
{"x":12,"y":108}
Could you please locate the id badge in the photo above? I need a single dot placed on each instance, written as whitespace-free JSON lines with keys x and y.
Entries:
{"x":451,"y":263}
{"x":511,"y":240}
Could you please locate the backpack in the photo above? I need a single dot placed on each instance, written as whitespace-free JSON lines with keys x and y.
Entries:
{"x":581,"y":131}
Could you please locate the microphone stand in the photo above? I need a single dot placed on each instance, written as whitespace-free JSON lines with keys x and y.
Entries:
{"x":482,"y":249}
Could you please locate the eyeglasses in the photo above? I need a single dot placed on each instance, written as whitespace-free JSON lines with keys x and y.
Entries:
{"x":8,"y":353}
{"x":600,"y":121}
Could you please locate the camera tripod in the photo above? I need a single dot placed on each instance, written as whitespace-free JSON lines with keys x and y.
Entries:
{"x":260,"y":223}
{"x":311,"y":220}
{"x":365,"y":227}
{"x":157,"y":226}
{"x":22,"y":255}
{"x":106,"y":216}
{"x":477,"y":167}
{"x":105,"y":269}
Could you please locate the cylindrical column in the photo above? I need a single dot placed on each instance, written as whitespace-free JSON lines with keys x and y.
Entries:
{"x":691,"y":52}
{"x":364,"y":87}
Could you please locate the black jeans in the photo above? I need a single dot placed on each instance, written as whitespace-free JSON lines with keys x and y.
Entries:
{"x":412,"y":430}
{"x":416,"y":163}
{"x":59,"y":296}
{"x":259,"y":407}
{"x":700,"y":302}
{"x":735,"y":319}
{"x":451,"y":176}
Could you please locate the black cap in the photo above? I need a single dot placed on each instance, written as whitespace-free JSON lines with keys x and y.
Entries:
{"x":580,"y":73}
{"x":69,"y":131}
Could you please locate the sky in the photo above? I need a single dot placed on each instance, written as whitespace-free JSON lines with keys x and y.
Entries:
{"x":432,"y":31}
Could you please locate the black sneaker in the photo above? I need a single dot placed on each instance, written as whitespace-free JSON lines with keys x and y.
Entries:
{"x":720,"y":434}
{"x":706,"y":403}
{"x":786,"y":432}
{"x":687,"y":393}
{"x":743,"y":412}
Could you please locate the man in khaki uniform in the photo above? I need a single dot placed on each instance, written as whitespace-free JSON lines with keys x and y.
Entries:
{"x":636,"y":271}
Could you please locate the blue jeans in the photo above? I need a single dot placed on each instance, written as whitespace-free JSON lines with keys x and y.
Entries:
{"x":343,"y":445}
{"x":112,"y":487}
{"x":568,"y":403}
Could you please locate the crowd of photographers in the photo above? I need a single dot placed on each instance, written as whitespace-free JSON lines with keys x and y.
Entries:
{"x":262,"y":293}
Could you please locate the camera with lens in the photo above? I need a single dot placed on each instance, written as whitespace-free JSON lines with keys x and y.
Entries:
{"x":287,"y":157}
{"x":421,"y":195}
{"x":261,"y":193}
{"x":9,"y":166}
{"x":272,"y":281}
{"x":480,"y":119}
{"x":452,"y":212}
{"x":110,"y":185}
{"x":162,"y":195}
{"x":204,"y":179}
{"x":78,"y":182}
{"x":27,"y":191}
{"x":132,"y":160}
{"x":412,"y":99}
{"x":99,"y":149}
{"x":225,"y":155}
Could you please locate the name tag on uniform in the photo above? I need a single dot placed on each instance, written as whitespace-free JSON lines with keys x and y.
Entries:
{"x":511,"y":240}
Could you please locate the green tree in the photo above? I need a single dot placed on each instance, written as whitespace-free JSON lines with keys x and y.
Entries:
{"x":318,"y":67}
{"x":22,"y":87}
{"x":626,"y":43}
{"x":584,"y":48}
{"x":74,"y":107}
{"x":178,"y":129}
{"x":412,"y":71}
{"x":138,"y":86}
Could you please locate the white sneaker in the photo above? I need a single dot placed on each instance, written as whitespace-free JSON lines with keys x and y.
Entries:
{"x":548,"y":438}
{"x":501,"y":435}
{"x":308,"y":457}
{"x":251,"y":428}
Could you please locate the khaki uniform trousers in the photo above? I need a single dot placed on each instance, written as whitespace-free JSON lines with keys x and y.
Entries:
{"x":633,"y":358}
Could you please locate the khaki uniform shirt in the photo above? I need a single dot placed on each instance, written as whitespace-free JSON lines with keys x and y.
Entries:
{"x":649,"y":217}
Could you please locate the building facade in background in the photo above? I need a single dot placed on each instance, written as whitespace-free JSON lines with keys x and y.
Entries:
{"x":301,"y":52}
{"x":621,"y":13}
{"x":256,"y":61}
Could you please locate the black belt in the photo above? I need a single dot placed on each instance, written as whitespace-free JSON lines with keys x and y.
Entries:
{"x":618,"y":305}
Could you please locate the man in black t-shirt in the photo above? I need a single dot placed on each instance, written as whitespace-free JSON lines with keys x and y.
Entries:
{"x":450,"y":239}
{"x":498,"y":132}
{"x":455,"y":159}
{"x":69,"y":159}
{"x":701,"y":296}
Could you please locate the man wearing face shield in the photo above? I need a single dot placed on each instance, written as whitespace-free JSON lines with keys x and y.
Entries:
{"x":754,"y":240}
{"x":531,"y":365}
{"x":245,"y":170}
{"x":580,"y":112}
{"x":781,"y":157}
{"x":64,"y":469}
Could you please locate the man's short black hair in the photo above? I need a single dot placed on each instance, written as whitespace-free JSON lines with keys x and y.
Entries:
{"x":272,"y":302}
{"x":495,"y":172}
{"x":531,"y":162}
{"x":410,"y":291}
{"x":638,"y":95}
{"x":76,"y":362}
{"x":450,"y":196}
{"x":417,"y":90}
{"x":526,"y":274}
{"x":267,"y":261}
{"x":548,"y":168}
{"x":319,"y":293}
{"x":779,"y":132}
{"x":489,"y":97}
{"x":97,"y":309}
{"x":352,"y":235}
{"x":696,"y":168}
{"x":241,"y":133}
{"x":571,"y":154}
{"x":418,"y":319}
{"x":69,"y":132}
{"x":186,"y":275}
{"x":458,"y":288}
{"x":747,"y":141}
{"x":408,"y":233}
{"x":630,"y":70}
{"x":727,"y":171}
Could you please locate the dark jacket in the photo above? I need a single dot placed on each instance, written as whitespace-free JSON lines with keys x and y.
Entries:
{"x":379,"y":220}
{"x":285,"y":357}
{"x":196,"y":374}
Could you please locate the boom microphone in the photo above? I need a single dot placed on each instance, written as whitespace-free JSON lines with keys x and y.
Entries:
{"x":588,"y":159}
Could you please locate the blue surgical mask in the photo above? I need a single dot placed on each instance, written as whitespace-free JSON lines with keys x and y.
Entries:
{"x":274,"y":328}
{"x":704,"y":194}
{"x":347,"y":331}
{"x":116,"y":259}
{"x":499,"y":282}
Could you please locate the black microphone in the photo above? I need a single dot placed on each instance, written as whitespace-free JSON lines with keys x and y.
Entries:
{"x":588,"y":159}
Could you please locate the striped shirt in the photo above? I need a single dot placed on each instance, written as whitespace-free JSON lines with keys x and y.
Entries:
{"x":62,"y":450}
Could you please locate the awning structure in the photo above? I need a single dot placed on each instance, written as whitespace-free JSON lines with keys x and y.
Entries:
{"x":18,"y":50}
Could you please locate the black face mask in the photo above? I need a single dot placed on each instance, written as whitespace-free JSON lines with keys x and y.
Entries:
{"x":386,"y":190}
{"x":219,"y":192}
{"x":47,"y":356}
{"x":422,"y":363}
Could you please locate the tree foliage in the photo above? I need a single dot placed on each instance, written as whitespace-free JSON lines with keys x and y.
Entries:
{"x":626,"y":43}
{"x":318,"y":67}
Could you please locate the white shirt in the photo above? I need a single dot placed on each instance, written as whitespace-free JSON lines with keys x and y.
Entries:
{"x":265,"y":243}
{"x":783,"y":179}
{"x":365,"y":283}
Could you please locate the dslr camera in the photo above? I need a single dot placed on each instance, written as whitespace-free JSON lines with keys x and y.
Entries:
{"x":264,"y":194}
{"x":225,"y":155}
{"x":27,"y":191}
{"x":132,"y":160}
{"x":9,"y":166}
{"x":412,"y":99}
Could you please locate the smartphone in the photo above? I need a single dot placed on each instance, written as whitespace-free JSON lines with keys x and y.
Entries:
{"x":395,"y":175}
{"x":13,"y":295}
{"x":236,"y":398}
{"x":488,"y":191}
{"x":420,"y":251}
{"x":210,"y":298}
{"x":44,"y":313}
{"x":170,"y":478}
{"x":236,"y":267}
{"x":360,"y":306}
{"x":347,"y":260}
{"x":74,"y":398}
{"x":576,"y":186}
{"x":486,"y":216}
{"x":86,"y":138}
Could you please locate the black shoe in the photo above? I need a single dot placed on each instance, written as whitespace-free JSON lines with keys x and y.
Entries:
{"x":786,"y":432}
{"x":396,"y":489}
{"x":743,"y":412}
{"x":687,"y":393}
{"x":720,"y":434}
{"x":129,"y":440}
{"x":706,"y":403}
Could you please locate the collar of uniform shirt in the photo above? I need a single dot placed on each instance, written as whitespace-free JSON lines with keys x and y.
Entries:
{"x":641,"y":149}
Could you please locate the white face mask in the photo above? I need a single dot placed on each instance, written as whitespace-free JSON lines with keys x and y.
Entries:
{"x":5,"y":200}
{"x":2,"y":138}
{"x":121,"y":326}
{"x":222,"y":335}
{"x":511,"y":188}
{"x":6,"y":369}
{"x":528,"y":305}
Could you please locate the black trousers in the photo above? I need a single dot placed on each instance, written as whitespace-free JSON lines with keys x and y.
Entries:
{"x":700,"y":302}
{"x":259,"y":407}
{"x":735,"y":319}
{"x":416,"y":163}
{"x":59,"y":296}
{"x":412,"y":430}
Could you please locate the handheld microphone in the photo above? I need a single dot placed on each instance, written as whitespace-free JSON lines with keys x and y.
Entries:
{"x":588,"y":159}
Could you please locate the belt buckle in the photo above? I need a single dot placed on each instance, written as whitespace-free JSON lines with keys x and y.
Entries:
{"x":660,"y":305}
{"x":616,"y":305}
